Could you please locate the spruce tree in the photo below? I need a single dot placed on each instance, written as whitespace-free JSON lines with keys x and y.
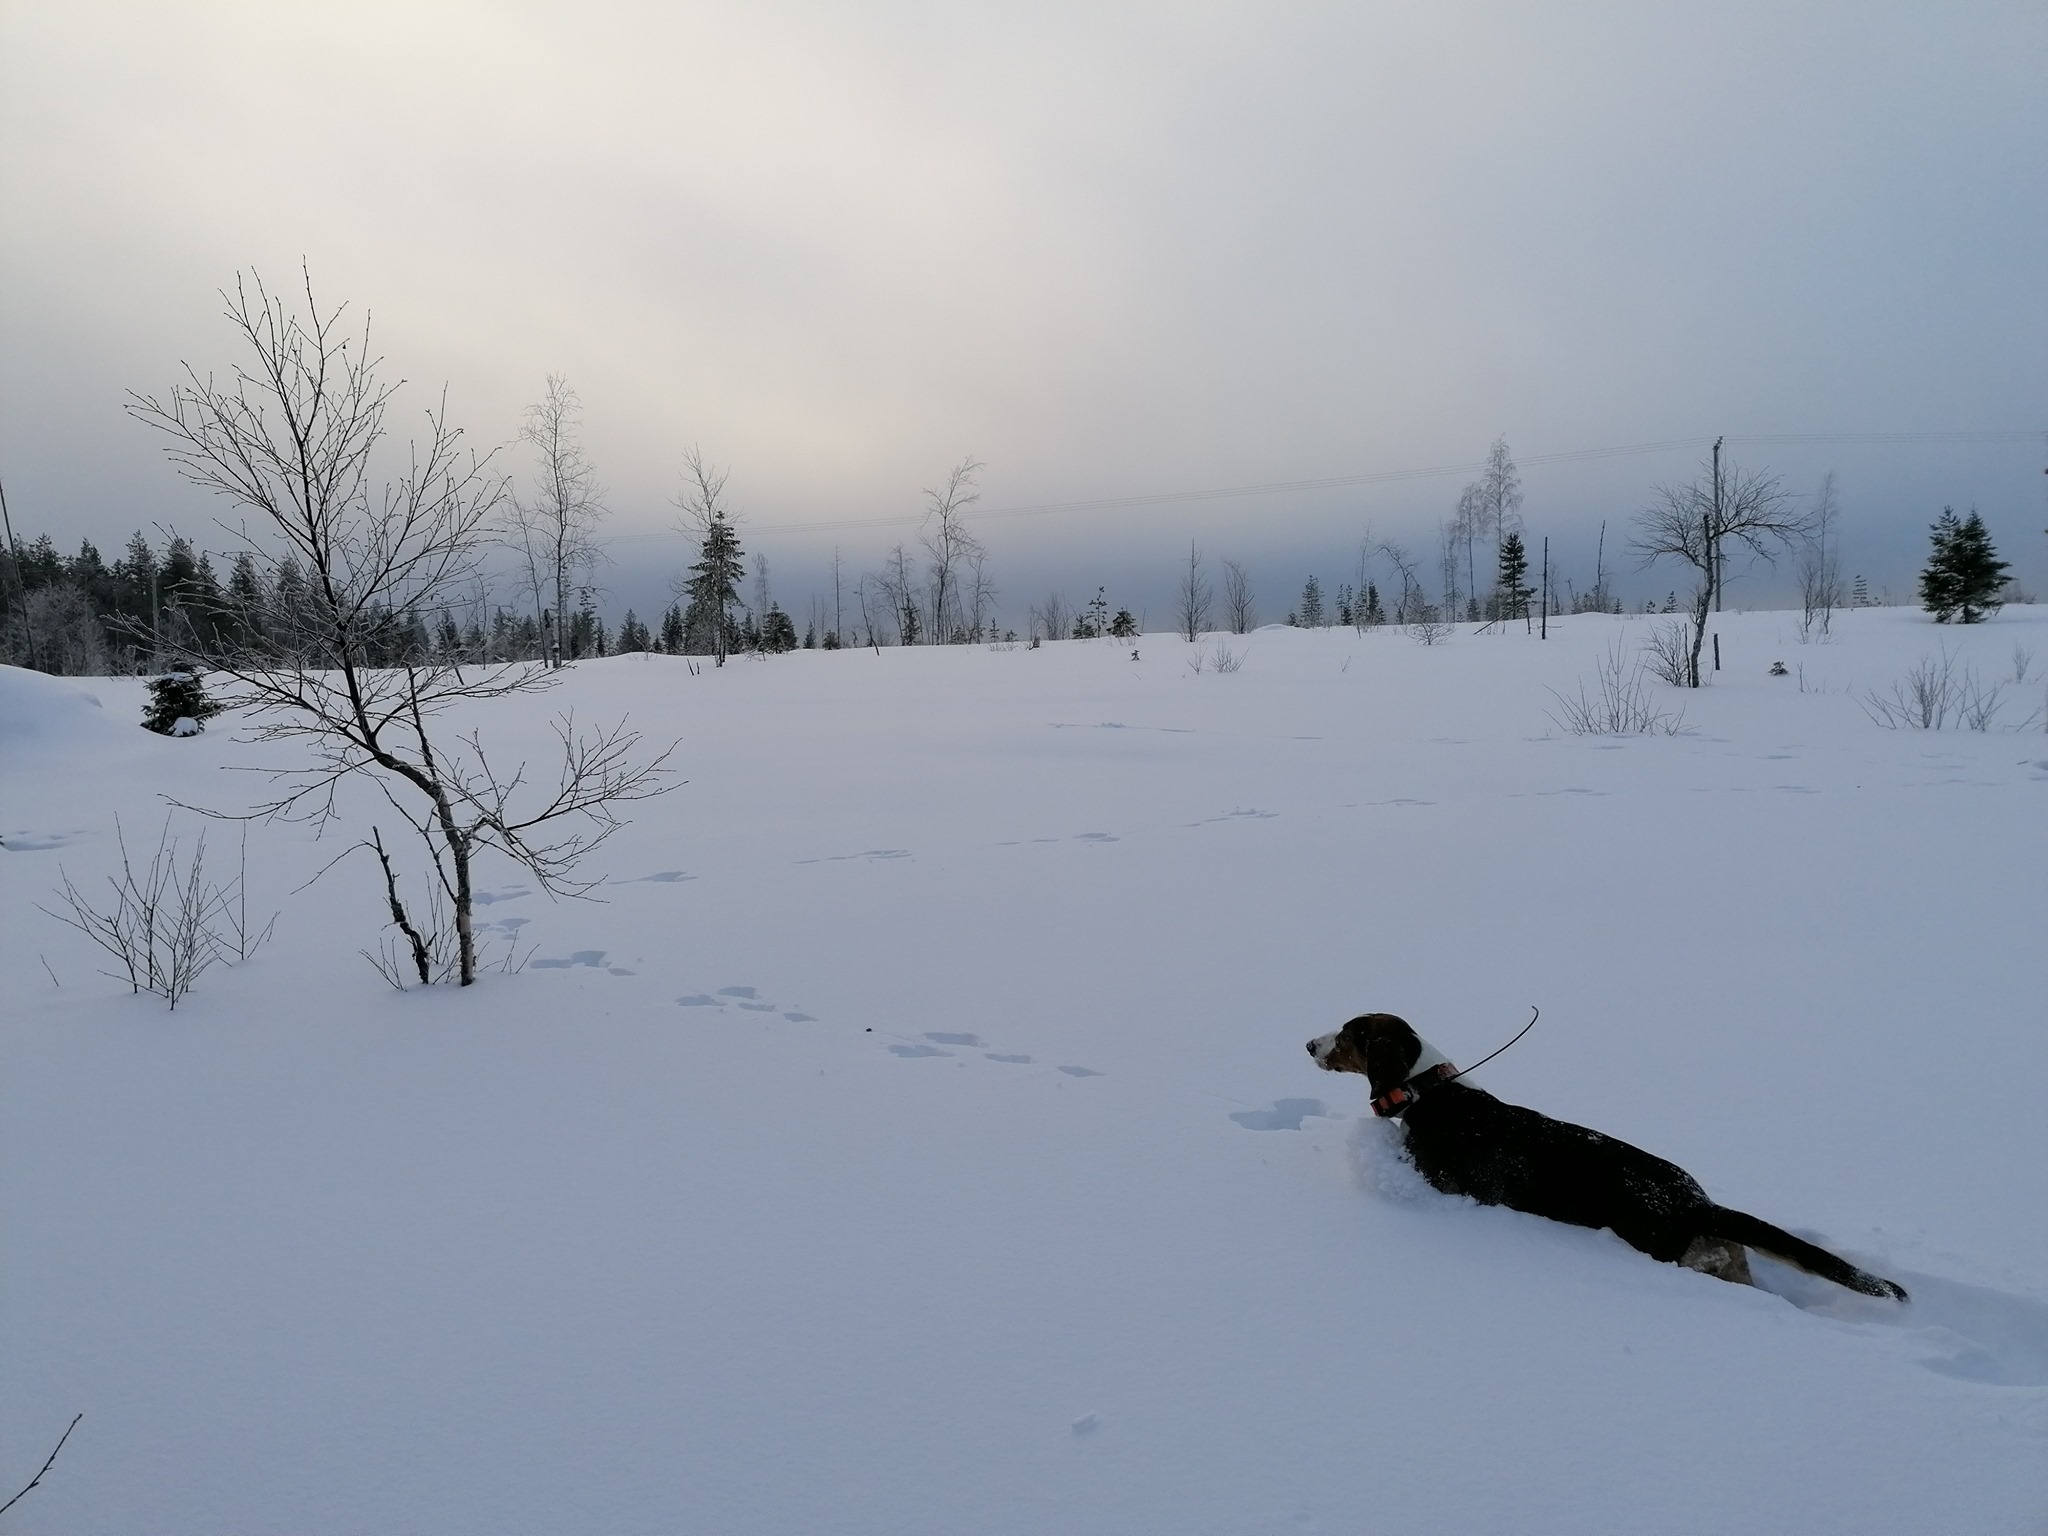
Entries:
{"x":178,"y":705}
{"x":714,"y":584}
{"x":1311,"y":609}
{"x":1514,"y":576}
{"x":1963,"y":574}
{"x":1123,"y":626}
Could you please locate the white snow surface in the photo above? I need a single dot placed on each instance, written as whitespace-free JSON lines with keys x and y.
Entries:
{"x":918,"y":1137}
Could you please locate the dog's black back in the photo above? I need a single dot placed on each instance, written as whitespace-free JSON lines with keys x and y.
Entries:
{"x":1465,"y":1141}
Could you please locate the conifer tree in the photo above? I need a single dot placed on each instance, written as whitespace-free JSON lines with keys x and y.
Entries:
{"x":175,"y":699}
{"x":1514,"y":589}
{"x":1963,"y":574}
{"x":1311,"y":610}
{"x":714,"y":584}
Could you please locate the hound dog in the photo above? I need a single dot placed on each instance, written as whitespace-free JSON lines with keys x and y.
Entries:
{"x":1467,"y":1142}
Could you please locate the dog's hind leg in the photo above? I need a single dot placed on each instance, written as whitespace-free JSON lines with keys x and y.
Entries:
{"x":1741,"y":1227}
{"x":1719,"y":1257}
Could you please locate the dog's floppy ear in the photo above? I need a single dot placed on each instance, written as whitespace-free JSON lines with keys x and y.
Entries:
{"x":1391,"y":1049}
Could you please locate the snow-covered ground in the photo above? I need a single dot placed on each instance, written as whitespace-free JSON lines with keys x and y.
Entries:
{"x":919,"y":1137}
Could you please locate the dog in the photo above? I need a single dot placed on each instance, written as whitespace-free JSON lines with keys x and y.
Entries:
{"x":1467,"y":1142}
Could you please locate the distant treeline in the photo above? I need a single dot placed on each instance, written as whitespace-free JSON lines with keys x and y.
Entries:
{"x":80,"y":615}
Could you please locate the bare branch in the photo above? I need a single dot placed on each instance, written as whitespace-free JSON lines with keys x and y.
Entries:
{"x":49,"y":1462}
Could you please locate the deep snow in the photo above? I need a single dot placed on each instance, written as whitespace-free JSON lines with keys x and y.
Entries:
{"x":919,"y":1136}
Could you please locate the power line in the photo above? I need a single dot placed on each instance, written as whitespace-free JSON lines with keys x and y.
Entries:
{"x":1374,"y":477}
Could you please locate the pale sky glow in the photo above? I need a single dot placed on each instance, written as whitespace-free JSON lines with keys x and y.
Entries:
{"x":1110,"y":251}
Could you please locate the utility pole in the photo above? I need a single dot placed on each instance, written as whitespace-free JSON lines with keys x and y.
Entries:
{"x":1714,"y":544}
{"x":1546,"y":589}
{"x":28,"y":628}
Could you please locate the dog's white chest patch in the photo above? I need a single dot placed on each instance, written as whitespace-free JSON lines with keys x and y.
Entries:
{"x":1430,"y":1057}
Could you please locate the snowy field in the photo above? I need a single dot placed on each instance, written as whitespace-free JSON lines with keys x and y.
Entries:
{"x":918,"y":1137}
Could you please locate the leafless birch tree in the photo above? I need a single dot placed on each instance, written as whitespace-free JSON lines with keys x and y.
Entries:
{"x":294,"y":437}
{"x":1237,"y":599}
{"x":950,"y":549}
{"x":1693,"y":523}
{"x":554,"y":525}
{"x":1820,"y":570}
{"x":1191,"y":597}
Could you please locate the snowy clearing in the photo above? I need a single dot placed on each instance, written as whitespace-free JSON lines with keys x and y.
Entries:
{"x":918,"y":1137}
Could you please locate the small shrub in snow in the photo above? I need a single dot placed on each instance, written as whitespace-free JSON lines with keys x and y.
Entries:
{"x":1934,"y":695}
{"x":167,"y":926}
{"x":1620,"y":704}
{"x":178,"y":705}
{"x":1669,"y":652}
{"x":1430,"y":627}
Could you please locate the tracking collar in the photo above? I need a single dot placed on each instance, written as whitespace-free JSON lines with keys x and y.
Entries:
{"x":1397,"y":1100}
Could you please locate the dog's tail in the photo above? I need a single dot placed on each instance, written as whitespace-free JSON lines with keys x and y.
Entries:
{"x":1741,"y":1227}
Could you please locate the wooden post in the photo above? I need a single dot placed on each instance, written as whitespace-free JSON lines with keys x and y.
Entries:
{"x":1546,"y":588}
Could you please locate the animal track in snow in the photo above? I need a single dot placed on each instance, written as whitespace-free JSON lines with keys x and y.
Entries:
{"x":590,"y":957}
{"x":1247,"y":814}
{"x":1095,"y":837}
{"x":666,"y":877}
{"x":1967,"y":1332}
{"x":1081,"y":1072}
{"x":24,"y":841}
{"x":917,"y":1050}
{"x":698,"y":1000}
{"x":939,"y":1037}
{"x":510,"y":893}
{"x":1015,"y":1061}
{"x":801,"y":1018}
{"x":738,"y":992}
{"x":1285,"y":1115}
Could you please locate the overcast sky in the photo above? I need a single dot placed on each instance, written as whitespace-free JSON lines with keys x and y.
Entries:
{"x":1111,"y":251}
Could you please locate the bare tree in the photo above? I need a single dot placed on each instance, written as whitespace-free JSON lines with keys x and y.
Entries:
{"x":867,"y":618}
{"x":294,"y":437}
{"x":1693,"y":522}
{"x":838,"y":616}
{"x":1495,"y":508}
{"x":1820,"y":572}
{"x":1237,"y":599}
{"x":1054,"y":617}
{"x":899,"y":596}
{"x":1409,"y":606}
{"x":1466,"y":527}
{"x":950,"y":548}
{"x":1191,"y":596}
{"x":554,"y":526}
{"x":981,"y":595}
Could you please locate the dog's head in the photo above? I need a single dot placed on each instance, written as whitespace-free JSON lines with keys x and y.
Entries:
{"x":1378,"y":1046}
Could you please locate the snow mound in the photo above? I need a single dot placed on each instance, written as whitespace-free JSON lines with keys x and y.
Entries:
{"x":1379,"y":1159}
{"x":42,"y":715}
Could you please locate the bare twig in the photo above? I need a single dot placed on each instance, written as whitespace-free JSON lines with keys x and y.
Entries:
{"x":48,"y":1463}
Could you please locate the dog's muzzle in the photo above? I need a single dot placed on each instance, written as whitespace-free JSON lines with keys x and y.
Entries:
{"x":1320,"y":1048}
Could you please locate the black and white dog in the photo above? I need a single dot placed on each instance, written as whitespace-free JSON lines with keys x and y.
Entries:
{"x":1467,"y":1142}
